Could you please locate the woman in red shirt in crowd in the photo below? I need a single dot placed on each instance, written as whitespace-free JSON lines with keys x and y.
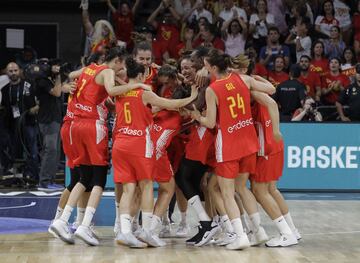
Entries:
{"x":319,"y":64}
{"x":333,"y":83}
{"x":123,"y":21}
{"x":278,"y":75}
{"x":348,"y":62}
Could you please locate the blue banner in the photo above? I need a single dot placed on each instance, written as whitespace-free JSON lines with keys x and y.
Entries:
{"x":318,"y":156}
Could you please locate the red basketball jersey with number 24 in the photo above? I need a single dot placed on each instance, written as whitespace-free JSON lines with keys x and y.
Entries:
{"x":236,"y":134}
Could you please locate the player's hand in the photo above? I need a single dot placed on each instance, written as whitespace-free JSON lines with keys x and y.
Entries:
{"x":145,"y":87}
{"x":195,"y":114}
{"x":277,"y":136}
{"x":70,"y":87}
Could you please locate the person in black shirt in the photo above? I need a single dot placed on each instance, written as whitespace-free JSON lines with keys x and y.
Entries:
{"x":290,"y":94}
{"x":49,"y":118}
{"x":20,"y":110}
{"x":350,"y":96}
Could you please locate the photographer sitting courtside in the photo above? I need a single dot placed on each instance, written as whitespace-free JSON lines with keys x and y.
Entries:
{"x":308,"y":112}
{"x":49,"y":118}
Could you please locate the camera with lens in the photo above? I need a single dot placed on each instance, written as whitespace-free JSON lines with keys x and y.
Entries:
{"x":43,"y":69}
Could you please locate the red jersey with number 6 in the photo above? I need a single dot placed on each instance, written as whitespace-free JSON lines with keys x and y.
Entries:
{"x":134,"y":122}
{"x":90,"y":96}
{"x":236,"y":134}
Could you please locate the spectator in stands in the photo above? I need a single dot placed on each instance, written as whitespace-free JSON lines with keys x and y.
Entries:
{"x":258,"y":68}
{"x":208,"y":38}
{"x":297,"y":12}
{"x":350,"y":97}
{"x":319,"y":63}
{"x":273,"y":49}
{"x":230,"y":10}
{"x":20,"y":111}
{"x":234,"y":34}
{"x":123,"y":21}
{"x":188,"y":37}
{"x":301,"y":39}
{"x":326,"y":19}
{"x":290,"y":95}
{"x":26,"y":57}
{"x":98,"y":37}
{"x":308,"y":112}
{"x":310,"y":79}
{"x":259,"y":24}
{"x":278,"y":76}
{"x":334,"y":46}
{"x":278,"y":9}
{"x":182,"y":7}
{"x":49,"y":118}
{"x":348,"y":63}
{"x":248,"y":7}
{"x":356,"y":30}
{"x":167,"y":26}
{"x":198,"y":11}
{"x":333,"y":83}
{"x":342,"y":14}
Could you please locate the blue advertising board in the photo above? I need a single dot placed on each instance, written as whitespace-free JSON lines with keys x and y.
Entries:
{"x":318,"y":156}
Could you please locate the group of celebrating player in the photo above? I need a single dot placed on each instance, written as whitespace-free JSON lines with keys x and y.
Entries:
{"x":203,"y":134}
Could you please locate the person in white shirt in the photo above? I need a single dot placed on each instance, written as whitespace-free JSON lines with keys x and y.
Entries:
{"x":342,"y":14}
{"x":198,"y":11}
{"x":234,"y":34}
{"x":301,"y":40}
{"x":259,"y":24}
{"x":229,"y":9}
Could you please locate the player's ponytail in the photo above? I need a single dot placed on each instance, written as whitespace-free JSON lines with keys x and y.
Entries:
{"x":240,"y":62}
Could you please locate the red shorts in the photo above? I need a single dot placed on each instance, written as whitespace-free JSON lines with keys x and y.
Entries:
{"x":269,"y":169}
{"x":231,"y":169}
{"x":163,"y":171}
{"x":66,"y":140}
{"x":90,"y":140}
{"x":130,"y":168}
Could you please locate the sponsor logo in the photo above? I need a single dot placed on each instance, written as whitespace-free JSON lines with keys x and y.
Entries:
{"x":323,"y":157}
{"x":83,"y":107}
{"x":128,"y":131}
{"x":267,"y":123}
{"x":157,"y":128}
{"x":70,"y":114}
{"x":241,"y":124}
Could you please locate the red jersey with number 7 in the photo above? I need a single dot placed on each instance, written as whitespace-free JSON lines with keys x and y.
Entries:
{"x":89,"y":95}
{"x":134,"y":122}
{"x":236,"y":134}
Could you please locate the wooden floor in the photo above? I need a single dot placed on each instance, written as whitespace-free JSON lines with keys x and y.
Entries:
{"x":330,"y":230}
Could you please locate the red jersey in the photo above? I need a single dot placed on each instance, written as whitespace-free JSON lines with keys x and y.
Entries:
{"x":169,"y":34}
{"x":350,"y":71}
{"x":200,"y":141}
{"x":277,"y":77}
{"x":236,"y":135}
{"x":124,"y":25}
{"x":150,"y":78}
{"x":90,"y":96}
{"x":69,"y":116}
{"x":158,"y":50}
{"x":167,"y":125}
{"x":264,"y":131}
{"x":134,"y":122}
{"x":260,"y":70}
{"x":333,"y":95}
{"x":320,"y":67}
{"x":311,"y":82}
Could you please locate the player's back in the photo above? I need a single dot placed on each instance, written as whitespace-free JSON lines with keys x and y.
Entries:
{"x":134,"y":122}
{"x":89,"y":95}
{"x":236,"y":135}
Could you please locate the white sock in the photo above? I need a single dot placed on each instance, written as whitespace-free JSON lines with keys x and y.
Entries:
{"x":155,"y":223}
{"x":146,"y":220}
{"x":89,"y":214}
{"x":125,"y":220}
{"x":282,"y":226}
{"x":183,"y":218}
{"x":225,"y":221}
{"x":255,"y":220}
{"x":238,"y":228}
{"x":80,"y":213}
{"x":290,"y":222}
{"x":245,"y":223}
{"x":66,"y":213}
{"x":117,"y":211}
{"x":59,"y":211}
{"x":195,"y":202}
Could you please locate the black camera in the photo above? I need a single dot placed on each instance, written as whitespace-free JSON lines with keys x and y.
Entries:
{"x":42,"y":69}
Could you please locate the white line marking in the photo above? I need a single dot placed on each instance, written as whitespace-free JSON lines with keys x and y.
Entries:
{"x":21,"y":206}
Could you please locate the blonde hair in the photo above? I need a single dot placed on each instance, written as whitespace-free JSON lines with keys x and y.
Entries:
{"x":97,"y":36}
{"x":240,"y":62}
